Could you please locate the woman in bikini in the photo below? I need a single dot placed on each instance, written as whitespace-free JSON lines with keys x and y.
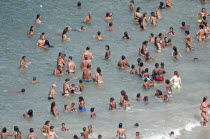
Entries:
{"x":204,"y":111}
{"x":17,"y":134}
{"x":31,"y":31}
{"x":46,"y":128}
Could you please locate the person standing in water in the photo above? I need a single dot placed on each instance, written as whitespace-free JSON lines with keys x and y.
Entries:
{"x":46,"y":128}
{"x":4,"y":134}
{"x":98,"y":77}
{"x":87,"y":54}
{"x":87,"y":74}
{"x":88,"y":18}
{"x":51,"y":94}
{"x":176,"y":80}
{"x":108,"y":52}
{"x":132,"y":6}
{"x":81,"y":104}
{"x":121,"y":133}
{"x":54,"y":110}
{"x":17,"y":134}
{"x":31,"y":31}
{"x":38,"y":21}
{"x":71,"y":66}
{"x":123,"y":63}
{"x":23,"y":63}
{"x":41,"y":41}
{"x":204,"y":112}
{"x":32,"y":134}
{"x":52,"y":133}
{"x":112,"y":104}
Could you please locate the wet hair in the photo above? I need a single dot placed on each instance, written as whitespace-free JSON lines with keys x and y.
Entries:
{"x":142,"y":27}
{"x":125,"y":97}
{"x":111,"y":99}
{"x":146,"y":70}
{"x":107,"y":46}
{"x":70,"y":57}
{"x":141,"y":64}
{"x":99,"y":136}
{"x":162,"y":64}
{"x":52,"y":106}
{"x":171,"y":28}
{"x":87,"y":48}
{"x":47,"y":43}
{"x":120,"y":125}
{"x":110,"y":24}
{"x":183,"y":24}
{"x":167,"y":81}
{"x":138,"y":61}
{"x":156,"y":65}
{"x":31,"y":28}
{"x":160,"y":34}
{"x":75,"y":137}
{"x":138,"y":9}
{"x":132,"y":66}
{"x":81,"y":99}
{"x":132,"y":1}
{"x":187,"y":32}
{"x":47,"y":122}
{"x":4,"y":130}
{"x":145,"y":80}
{"x":30,"y":113}
{"x":172,"y":132}
{"x":136,"y":124}
{"x":64,"y":32}
{"x":34,"y":78}
{"x":203,"y":9}
{"x":107,"y":14}
{"x":23,"y":90}
{"x":138,"y":95}
{"x":37,"y":16}
{"x":91,"y":109}
{"x":176,"y":73}
{"x":31,"y":130}
{"x":84,"y":128}
{"x":59,"y":54}
{"x":146,"y":98}
{"x":123,"y":57}
{"x":99,"y":33}
{"x":166,"y":96}
{"x":126,"y":35}
{"x":151,"y":34}
{"x":152,"y":14}
{"x":205,"y":98}
{"x":80,"y":81}
{"x":144,"y":14}
{"x":175,"y":51}
{"x":51,"y":127}
{"x":201,"y":26}
{"x":23,"y":57}
{"x":65,"y":106}
{"x":99,"y":70}
{"x":73,"y":85}
{"x":78,"y":4}
{"x":123,"y":92}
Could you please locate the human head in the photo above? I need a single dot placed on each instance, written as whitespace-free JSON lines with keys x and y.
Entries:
{"x":126,"y":35}
{"x":72,"y":104}
{"x":146,"y":98}
{"x":132,"y":66}
{"x":110,"y":24}
{"x":144,"y":14}
{"x":90,"y":15}
{"x":125,"y":97}
{"x":156,"y":65}
{"x":75,"y":137}
{"x":23,"y":90}
{"x":205,"y":98}
{"x":111,"y":99}
{"x":151,"y":35}
{"x":47,"y":123}
{"x":107,"y":47}
{"x":91,"y":109}
{"x":65,"y":106}
{"x":79,"y":4}
{"x":137,"y":133}
{"x":51,"y":127}
{"x":138,"y":95}
{"x":120,"y":125}
{"x":47,"y":43}
{"x":31,"y":130}
{"x":81,"y":99}
{"x":63,"y":124}
{"x":23,"y":57}
{"x":34,"y":78}
{"x":141,"y":64}
{"x":123,"y":57}
{"x":187,"y":32}
{"x":175,"y":49}
{"x":87,"y":48}
{"x":153,"y":14}
{"x":146,"y":70}
{"x":107,"y":14}
{"x":138,"y":9}
{"x":123,"y":92}
{"x":203,"y":10}
{"x":171,"y":29}
{"x":162,"y":64}
{"x":80,"y":81}
{"x":31,"y":28}
{"x":201,"y":26}
{"x":176,"y":73}
{"x":183,"y":24}
{"x":99,"y":136}
{"x":70,"y":57}
{"x":172,"y":133}
{"x":38,"y":16}
{"x":30,"y":113}
{"x":84,"y":128}
{"x":136,"y":125}
{"x":16,"y":129}
{"x":98,"y":33}
{"x":4,"y":130}
{"x":167,"y":81}
{"x":145,"y":80}
{"x":54,"y":86}
{"x":98,"y":70}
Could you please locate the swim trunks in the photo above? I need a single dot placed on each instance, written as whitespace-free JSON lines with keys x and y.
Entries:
{"x":87,"y":80}
{"x":145,"y":78}
{"x":177,"y":85}
{"x":159,"y":79}
{"x":49,"y":98}
{"x":44,"y":134}
{"x":121,"y":137}
{"x":82,"y":110}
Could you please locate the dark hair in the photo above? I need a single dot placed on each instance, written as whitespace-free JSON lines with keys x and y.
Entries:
{"x":31,"y":28}
{"x":132,"y":66}
{"x":107,"y":14}
{"x":146,"y":70}
{"x":138,"y":61}
{"x":108,"y":47}
{"x":37,"y":16}
{"x":75,"y":137}
{"x":171,"y":28}
{"x":4,"y":130}
{"x":51,"y":127}
{"x":138,"y":9}
{"x":99,"y":136}
{"x":111,"y":99}
{"x":59,"y":54}
{"x":31,"y":130}
{"x":84,"y":128}
{"x":80,"y":81}
{"x":81,"y":99}
{"x":23,"y":57}
{"x":138,"y":95}
{"x":123,"y":57}
{"x":23,"y":90}
{"x":144,"y":14}
{"x":126,"y":35}
{"x":183,"y":24}
{"x":91,"y":109}
{"x":99,"y":70}
{"x":34,"y":78}
{"x":87,"y":48}
{"x":59,"y":66}
{"x":123,"y":92}
{"x":30,"y":113}
{"x":110,"y":24}
{"x":145,"y":80}
{"x":151,"y":34}
{"x":52,"y":106}
{"x":46,"y":122}
{"x":146,"y":98}
{"x":88,"y":66}
{"x":156,"y":65}
{"x":162,"y":64}
{"x":147,"y":56}
{"x":205,"y":98}
{"x":187,"y":32}
{"x":99,"y":33}
{"x":201,"y":26}
{"x":125,"y":97}
{"x":47,"y":43}
{"x":79,"y":4}
{"x":120,"y":125}
{"x":167,"y":81}
{"x":141,"y":64}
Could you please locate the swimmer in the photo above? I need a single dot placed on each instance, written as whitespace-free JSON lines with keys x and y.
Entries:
{"x":153,"y":19}
{"x":46,"y":45}
{"x":136,"y":125}
{"x":54,"y":109}
{"x":203,"y":13}
{"x":81,"y":86}
{"x":46,"y":128}
{"x":98,"y":76}
{"x":29,"y":114}
{"x":184,"y":26}
{"x":73,"y":88}
{"x":32,"y":134}
{"x":132,"y":6}
{"x":176,"y":80}
{"x":18,"y":92}
{"x":63,"y":127}
{"x":146,"y":100}
{"x":87,"y":54}
{"x":143,"y":50}
{"x":138,"y":97}
{"x":34,"y":81}
{"x":79,"y":4}
{"x":38,"y":21}
{"x":168,"y":87}
{"x":169,"y":3}
{"x":58,"y":70}
{"x":17,"y":134}
{"x":99,"y":136}
{"x":133,"y":70}
{"x":123,"y":63}
{"x":171,"y":32}
{"x":148,"y":57}
{"x":175,"y":53}
{"x":165,"y":98}
{"x":85,"y":63}
{"x":84,"y":133}
{"x":172,"y":136}
{"x":61,"y":60}
{"x":204,"y":111}
{"x":125,"y":103}
{"x":31,"y":31}
{"x":73,"y":108}
{"x":52,"y":133}
{"x":81,"y":104}
{"x":112,"y":104}
{"x":87,"y":74}
{"x":151,"y":83}
{"x":71,"y":66}
{"x":201,"y":33}
{"x":141,"y":70}
{"x":126,"y":36}
{"x":88,"y":18}
{"x":145,"y":84}
{"x":158,"y":14}
{"x":82,"y":29}
{"x":66,"y":88}
{"x":41,"y":41}
{"x":65,"y":32}
{"x":162,"y":5}
{"x":138,"y":135}
{"x":151,"y":38}
{"x":108,"y":16}
{"x":137,"y":14}
{"x":75,"y":137}
{"x":121,"y":132}
{"x":66,"y":108}
{"x":23,"y":63}
{"x":98,"y":36}
{"x":110,"y":27}
{"x":92,"y":113}
{"x":108,"y":52}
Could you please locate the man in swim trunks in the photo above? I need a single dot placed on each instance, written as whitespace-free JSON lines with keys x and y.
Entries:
{"x":87,"y":54}
{"x":157,"y":73}
{"x":201,"y":33}
{"x":121,"y":133}
{"x":23,"y":63}
{"x":87,"y":74}
{"x":84,"y":133}
{"x":123,"y":63}
{"x":51,"y":94}
{"x":32,"y":134}
{"x":71,"y":65}
{"x":41,"y":40}
{"x":84,"y":63}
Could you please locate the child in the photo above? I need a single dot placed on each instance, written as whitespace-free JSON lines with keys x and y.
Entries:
{"x":66,"y":108}
{"x":138,"y":97}
{"x":93,"y":114}
{"x":148,"y":57}
{"x":151,"y":38}
{"x":73,"y":108}
{"x":168,"y":87}
{"x":64,"y":127}
{"x":34,"y":80}
{"x":133,"y":70}
{"x":146,"y":84}
{"x":81,"y":86}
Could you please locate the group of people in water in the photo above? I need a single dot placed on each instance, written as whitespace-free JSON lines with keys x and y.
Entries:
{"x":160,"y":42}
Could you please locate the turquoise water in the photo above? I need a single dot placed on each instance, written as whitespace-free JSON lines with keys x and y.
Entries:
{"x":156,"y":119}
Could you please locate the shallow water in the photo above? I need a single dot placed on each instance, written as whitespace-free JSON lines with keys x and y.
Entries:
{"x":156,"y":119}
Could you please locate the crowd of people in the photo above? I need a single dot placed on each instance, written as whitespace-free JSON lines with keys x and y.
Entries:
{"x":163,"y":40}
